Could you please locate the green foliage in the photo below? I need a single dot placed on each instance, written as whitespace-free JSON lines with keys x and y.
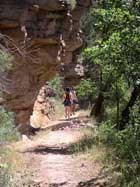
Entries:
{"x":112,"y":30}
{"x":7,"y":130}
{"x":5,"y":175}
{"x":125,"y":151}
{"x":5,"y":61}
{"x":85,"y":88}
{"x":113,"y":44}
{"x":135,"y":113}
{"x":5,"y":166}
{"x":7,"y":134}
{"x":13,"y":172}
{"x":83,"y":145}
{"x":106,"y":133}
{"x":56,"y":84}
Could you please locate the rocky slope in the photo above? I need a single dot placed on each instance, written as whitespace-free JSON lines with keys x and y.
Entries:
{"x":48,"y":33}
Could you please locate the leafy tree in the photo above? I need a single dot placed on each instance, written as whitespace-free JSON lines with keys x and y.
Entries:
{"x":113,"y":43}
{"x":86,"y":92}
{"x":111,"y":60}
{"x":56,"y":84}
{"x":7,"y":130}
{"x":86,"y":88}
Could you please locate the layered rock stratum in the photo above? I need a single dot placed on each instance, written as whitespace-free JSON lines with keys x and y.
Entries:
{"x":47,"y":33}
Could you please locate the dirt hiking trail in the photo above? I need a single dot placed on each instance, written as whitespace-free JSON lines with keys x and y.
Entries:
{"x":51,"y":159}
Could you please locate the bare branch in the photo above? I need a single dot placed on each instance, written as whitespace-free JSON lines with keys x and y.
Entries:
{"x":27,"y":55}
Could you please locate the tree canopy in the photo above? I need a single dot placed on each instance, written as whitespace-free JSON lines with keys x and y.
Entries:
{"x":112,"y":30}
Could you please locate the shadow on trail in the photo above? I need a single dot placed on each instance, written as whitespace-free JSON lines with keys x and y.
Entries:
{"x":101,"y":179}
{"x":80,"y":146}
{"x":57,"y":184}
{"x":45,"y":150}
{"x":76,"y":118}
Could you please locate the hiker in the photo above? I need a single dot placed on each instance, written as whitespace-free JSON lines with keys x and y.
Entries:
{"x":67,"y":102}
{"x":74,"y":100}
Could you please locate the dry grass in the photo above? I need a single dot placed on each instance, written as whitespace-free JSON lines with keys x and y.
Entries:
{"x":14,"y":172}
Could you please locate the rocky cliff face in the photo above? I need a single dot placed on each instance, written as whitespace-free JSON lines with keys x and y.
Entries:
{"x":48,"y":32}
{"x":44,"y":109}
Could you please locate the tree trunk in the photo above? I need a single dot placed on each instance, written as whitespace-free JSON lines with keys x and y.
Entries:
{"x":134,"y":3}
{"x":117,"y":105}
{"x":97,"y":109}
{"x":98,"y":106}
{"x":125,"y":116}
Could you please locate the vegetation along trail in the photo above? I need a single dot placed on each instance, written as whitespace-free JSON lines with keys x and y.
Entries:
{"x":49,"y":50}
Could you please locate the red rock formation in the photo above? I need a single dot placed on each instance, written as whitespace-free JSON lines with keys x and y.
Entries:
{"x":48,"y":30}
{"x":43,"y":110}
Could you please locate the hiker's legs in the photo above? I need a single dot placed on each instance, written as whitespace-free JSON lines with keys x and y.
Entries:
{"x":73,"y":108}
{"x":66,"y":111}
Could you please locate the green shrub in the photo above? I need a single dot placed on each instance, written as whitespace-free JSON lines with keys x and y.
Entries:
{"x":106,"y":133}
{"x":128,"y":144}
{"x":5,"y":61}
{"x":7,"y":130}
{"x":4,"y":175}
{"x":56,"y":84}
{"x":125,"y":146}
{"x":85,"y":88}
{"x":14,"y":171}
{"x":83,"y":145}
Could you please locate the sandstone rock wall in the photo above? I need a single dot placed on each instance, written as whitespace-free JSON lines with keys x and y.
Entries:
{"x":48,"y":32}
{"x":44,"y":109}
